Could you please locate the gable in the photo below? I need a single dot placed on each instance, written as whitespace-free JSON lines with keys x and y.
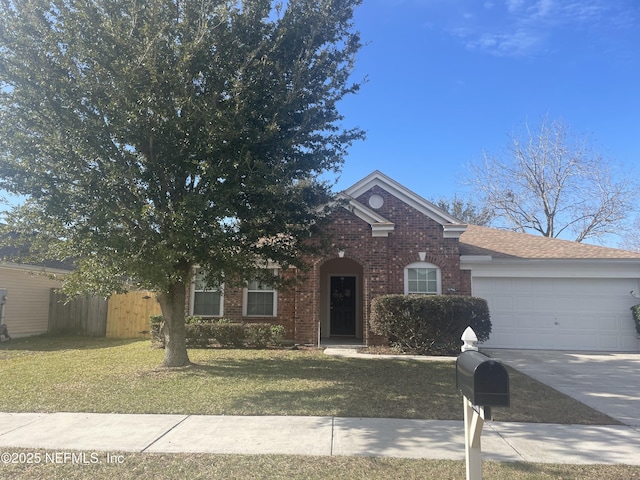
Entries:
{"x":367,"y":208}
{"x":380,"y":226}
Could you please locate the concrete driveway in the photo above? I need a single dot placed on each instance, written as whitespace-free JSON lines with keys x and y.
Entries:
{"x":607,"y":382}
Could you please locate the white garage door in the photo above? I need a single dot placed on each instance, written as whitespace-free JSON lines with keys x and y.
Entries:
{"x":560,"y":314}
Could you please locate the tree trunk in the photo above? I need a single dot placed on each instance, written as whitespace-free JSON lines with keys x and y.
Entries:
{"x":173,"y":304}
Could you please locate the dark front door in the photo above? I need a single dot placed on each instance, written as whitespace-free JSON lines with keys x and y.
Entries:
{"x":343,"y":305}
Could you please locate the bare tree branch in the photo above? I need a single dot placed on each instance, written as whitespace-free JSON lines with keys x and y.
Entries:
{"x":552,"y":183}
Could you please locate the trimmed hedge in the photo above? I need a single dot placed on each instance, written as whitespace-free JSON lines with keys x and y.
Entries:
{"x":207,"y":333}
{"x":635,"y":310}
{"x":429,"y":323}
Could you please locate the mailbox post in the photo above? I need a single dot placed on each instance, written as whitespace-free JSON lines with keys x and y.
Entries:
{"x":484,"y":383}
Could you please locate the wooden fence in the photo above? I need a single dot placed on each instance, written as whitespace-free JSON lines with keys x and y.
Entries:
{"x":128,"y":314}
{"x":121,"y":316}
{"x":86,"y":315}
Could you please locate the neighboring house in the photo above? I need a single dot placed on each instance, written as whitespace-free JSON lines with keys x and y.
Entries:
{"x":542,"y":293}
{"x":26,"y":310}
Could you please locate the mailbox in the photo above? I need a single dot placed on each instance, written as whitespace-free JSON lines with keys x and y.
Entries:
{"x":482,"y":380}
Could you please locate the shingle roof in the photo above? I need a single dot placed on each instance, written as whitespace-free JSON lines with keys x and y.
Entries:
{"x":506,"y":244}
{"x":13,"y":254}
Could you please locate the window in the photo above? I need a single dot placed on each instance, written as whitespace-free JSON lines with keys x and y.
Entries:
{"x":260,"y":299}
{"x":205,"y":301}
{"x":422,"y":278}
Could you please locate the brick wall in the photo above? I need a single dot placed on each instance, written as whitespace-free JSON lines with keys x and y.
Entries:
{"x":383,"y":260}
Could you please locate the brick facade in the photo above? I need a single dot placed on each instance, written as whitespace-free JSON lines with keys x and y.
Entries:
{"x":377,"y":262}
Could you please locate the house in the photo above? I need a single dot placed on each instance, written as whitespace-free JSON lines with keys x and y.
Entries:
{"x":542,"y":293}
{"x":26,"y":311}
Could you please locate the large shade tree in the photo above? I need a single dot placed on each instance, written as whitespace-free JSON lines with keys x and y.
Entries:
{"x":153,"y":136}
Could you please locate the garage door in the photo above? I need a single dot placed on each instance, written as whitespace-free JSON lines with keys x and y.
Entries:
{"x":560,"y":314}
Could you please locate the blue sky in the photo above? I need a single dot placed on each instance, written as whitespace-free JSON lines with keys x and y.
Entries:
{"x":448,"y":79}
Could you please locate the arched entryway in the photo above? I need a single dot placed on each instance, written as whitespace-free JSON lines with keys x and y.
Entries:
{"x":341,"y":299}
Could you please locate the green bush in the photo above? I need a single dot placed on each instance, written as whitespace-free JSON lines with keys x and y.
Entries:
{"x":199,"y":332}
{"x":203,"y":333}
{"x":429,"y":324}
{"x":635,"y":310}
{"x":157,"y":337}
{"x":259,"y":334}
{"x":278,"y":333}
{"x":229,"y":334}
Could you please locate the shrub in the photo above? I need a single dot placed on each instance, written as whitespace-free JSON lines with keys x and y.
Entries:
{"x":635,"y":310}
{"x":157,"y":337}
{"x":199,"y":332}
{"x":429,"y":324}
{"x":278,"y":333}
{"x":229,"y":334}
{"x":259,"y":334}
{"x":203,"y":332}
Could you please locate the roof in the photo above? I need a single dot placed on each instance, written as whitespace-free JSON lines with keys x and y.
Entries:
{"x":377,"y":178}
{"x":11,"y":256}
{"x":380,"y":226}
{"x":507,"y":244}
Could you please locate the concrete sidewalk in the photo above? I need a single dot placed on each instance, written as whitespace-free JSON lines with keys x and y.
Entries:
{"x":321,"y":436}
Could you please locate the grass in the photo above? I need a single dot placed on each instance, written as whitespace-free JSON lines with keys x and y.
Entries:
{"x":51,"y":374}
{"x":199,"y":466}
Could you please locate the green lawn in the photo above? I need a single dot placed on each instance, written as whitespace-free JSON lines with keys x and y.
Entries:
{"x":145,"y":466}
{"x":50,"y":374}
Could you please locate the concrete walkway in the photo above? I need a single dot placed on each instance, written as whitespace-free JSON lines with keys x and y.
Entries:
{"x":321,"y":436}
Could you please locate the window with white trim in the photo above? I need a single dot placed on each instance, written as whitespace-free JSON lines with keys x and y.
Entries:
{"x":205,"y":301}
{"x":422,"y":278}
{"x":260,"y":299}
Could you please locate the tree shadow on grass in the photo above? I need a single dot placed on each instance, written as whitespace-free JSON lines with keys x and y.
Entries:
{"x":56,"y":342}
{"x":320,"y":385}
{"x":292,"y":384}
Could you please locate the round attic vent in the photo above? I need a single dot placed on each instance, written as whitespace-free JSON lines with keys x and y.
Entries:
{"x":376,"y":201}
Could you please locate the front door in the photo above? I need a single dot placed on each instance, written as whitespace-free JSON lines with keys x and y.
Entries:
{"x":343,"y":305}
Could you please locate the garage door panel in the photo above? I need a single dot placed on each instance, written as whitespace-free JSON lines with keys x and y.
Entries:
{"x":524,"y":322}
{"x":503,"y":302}
{"x":586,"y":322}
{"x":568,"y":314}
{"x":523,"y":303}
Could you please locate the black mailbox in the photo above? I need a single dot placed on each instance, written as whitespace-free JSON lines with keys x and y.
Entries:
{"x":482,"y":380}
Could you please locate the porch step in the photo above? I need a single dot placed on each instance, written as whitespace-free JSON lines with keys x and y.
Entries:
{"x":342,"y":343}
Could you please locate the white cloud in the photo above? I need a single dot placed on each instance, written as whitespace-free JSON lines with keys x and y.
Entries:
{"x":513,"y":44}
{"x":544,"y":8}
{"x":514,"y":5}
{"x":528,"y":27}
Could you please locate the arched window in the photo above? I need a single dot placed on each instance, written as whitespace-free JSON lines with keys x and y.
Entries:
{"x":422,"y":278}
